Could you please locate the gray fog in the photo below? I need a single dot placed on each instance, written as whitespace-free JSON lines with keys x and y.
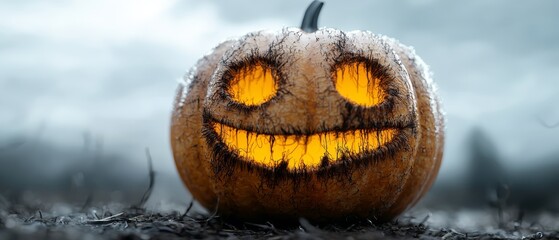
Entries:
{"x":105,"y":72}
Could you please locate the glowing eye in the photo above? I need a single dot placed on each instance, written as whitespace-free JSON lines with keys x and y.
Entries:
{"x":252,"y":85}
{"x":358,"y":85}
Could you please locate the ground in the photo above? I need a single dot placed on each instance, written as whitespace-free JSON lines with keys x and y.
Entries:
{"x":449,"y":212}
{"x":117,"y":221}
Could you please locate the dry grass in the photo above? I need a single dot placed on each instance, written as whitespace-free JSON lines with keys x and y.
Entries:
{"x":114,"y":221}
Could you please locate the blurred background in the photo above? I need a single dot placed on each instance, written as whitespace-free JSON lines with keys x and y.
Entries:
{"x":87,"y":86}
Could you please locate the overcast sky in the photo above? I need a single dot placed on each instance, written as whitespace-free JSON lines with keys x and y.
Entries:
{"x":110,"y":68}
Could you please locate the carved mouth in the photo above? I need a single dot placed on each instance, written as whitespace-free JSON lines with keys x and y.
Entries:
{"x":301,"y":151}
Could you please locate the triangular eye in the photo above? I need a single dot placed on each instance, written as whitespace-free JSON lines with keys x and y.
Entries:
{"x":356,"y":83}
{"x":252,"y":85}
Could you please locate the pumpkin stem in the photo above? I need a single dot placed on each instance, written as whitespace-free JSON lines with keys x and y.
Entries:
{"x":310,"y":20}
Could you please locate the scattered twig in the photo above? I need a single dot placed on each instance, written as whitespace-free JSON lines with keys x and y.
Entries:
{"x":425,"y":219}
{"x":307,"y":226}
{"x":151,"y":173}
{"x":109,"y":219}
{"x":214,"y":213}
{"x":456,"y":232}
{"x":452,"y":233}
{"x":188,"y":208}
{"x":350,"y":227}
{"x":262,"y":226}
{"x":95,"y":215}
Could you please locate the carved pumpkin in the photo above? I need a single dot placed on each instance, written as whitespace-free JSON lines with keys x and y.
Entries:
{"x":321,"y":124}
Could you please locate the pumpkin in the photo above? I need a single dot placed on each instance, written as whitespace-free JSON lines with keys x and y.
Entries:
{"x":307,"y":122}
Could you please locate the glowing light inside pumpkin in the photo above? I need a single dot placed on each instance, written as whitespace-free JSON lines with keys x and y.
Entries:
{"x":252,"y":86}
{"x":301,"y":151}
{"x":355,"y":83}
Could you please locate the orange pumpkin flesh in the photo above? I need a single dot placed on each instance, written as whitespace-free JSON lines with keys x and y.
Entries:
{"x":322,"y":125}
{"x":355,"y":83}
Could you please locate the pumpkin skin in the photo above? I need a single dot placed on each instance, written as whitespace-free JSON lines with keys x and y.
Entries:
{"x":399,"y":132}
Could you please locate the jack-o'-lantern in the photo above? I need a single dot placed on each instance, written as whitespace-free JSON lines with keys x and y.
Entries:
{"x":314,"y":123}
